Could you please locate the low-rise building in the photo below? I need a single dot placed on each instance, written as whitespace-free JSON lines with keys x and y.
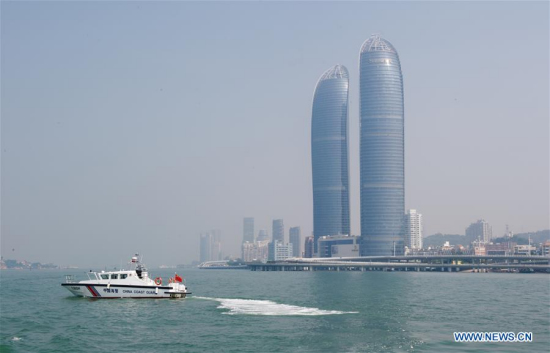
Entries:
{"x":545,"y":248}
{"x":480,"y":250}
{"x":338,"y":246}
{"x":506,"y":248}
{"x":309,"y":247}
{"x":524,"y":250}
{"x":277,"y":251}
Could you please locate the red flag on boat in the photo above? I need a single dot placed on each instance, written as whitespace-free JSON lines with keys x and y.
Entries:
{"x":178,"y":278}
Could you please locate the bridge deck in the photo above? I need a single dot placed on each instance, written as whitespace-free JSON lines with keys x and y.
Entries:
{"x":418,"y":263}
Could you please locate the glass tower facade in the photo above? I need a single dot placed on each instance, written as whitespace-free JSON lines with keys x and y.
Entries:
{"x":278,"y":231}
{"x":382,"y":149}
{"x":248,"y":229}
{"x":294,"y":236}
{"x":329,"y":154}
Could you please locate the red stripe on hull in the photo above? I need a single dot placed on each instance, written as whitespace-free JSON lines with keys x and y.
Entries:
{"x":91,"y":291}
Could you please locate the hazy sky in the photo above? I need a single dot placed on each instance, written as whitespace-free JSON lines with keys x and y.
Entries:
{"x":133,"y":126}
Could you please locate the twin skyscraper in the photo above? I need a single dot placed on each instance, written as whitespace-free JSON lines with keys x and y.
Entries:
{"x":382,"y":162}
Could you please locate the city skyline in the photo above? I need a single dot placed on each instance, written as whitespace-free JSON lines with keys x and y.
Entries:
{"x":139,"y":131}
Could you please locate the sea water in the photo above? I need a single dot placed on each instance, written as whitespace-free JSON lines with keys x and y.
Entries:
{"x":243,"y":311}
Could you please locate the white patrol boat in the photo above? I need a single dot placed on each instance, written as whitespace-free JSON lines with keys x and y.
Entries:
{"x":126,"y":284}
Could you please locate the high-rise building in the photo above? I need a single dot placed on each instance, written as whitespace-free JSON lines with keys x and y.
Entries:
{"x":413,"y":231}
{"x":278,"y":230}
{"x":262,"y":235}
{"x":329,"y":154}
{"x":479,"y":231}
{"x":216,"y":245}
{"x":205,"y":246}
{"x":248,"y":229}
{"x":294,"y":239}
{"x":211,"y":246}
{"x":382,"y":170}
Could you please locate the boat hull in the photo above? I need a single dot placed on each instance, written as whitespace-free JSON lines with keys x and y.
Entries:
{"x":104,"y":291}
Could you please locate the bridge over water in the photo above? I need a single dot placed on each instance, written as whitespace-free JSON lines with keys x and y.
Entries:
{"x":450,"y":263}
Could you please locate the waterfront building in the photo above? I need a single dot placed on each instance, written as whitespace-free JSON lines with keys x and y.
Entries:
{"x":413,"y":231}
{"x":525,"y":250}
{"x":506,"y":248}
{"x":246,"y":251}
{"x":309,"y":248}
{"x":329,"y":154}
{"x":248,"y":229}
{"x":256,"y":251}
{"x":294,"y":239}
{"x":278,"y":230}
{"x":277,"y":251}
{"x":338,"y":246}
{"x":382,"y":167}
{"x":479,"y":248}
{"x":262,"y":235}
{"x":479,"y":231}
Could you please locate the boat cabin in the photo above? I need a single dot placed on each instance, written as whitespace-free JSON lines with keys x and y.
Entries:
{"x":117,"y":275}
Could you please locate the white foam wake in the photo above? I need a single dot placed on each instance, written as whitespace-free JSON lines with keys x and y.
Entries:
{"x":267,"y":307}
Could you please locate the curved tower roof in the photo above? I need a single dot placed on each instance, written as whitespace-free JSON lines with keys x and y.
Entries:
{"x":377,"y":43}
{"x":337,"y":71}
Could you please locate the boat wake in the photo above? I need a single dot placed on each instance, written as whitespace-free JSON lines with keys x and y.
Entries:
{"x":269,"y":308}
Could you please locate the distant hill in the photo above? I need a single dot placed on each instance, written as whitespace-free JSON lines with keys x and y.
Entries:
{"x":523,"y":238}
{"x":440,"y":239}
{"x":24,"y":265}
{"x":454,"y":239}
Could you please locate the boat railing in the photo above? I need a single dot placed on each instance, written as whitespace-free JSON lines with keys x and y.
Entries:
{"x":69,"y":279}
{"x":92,"y":274}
